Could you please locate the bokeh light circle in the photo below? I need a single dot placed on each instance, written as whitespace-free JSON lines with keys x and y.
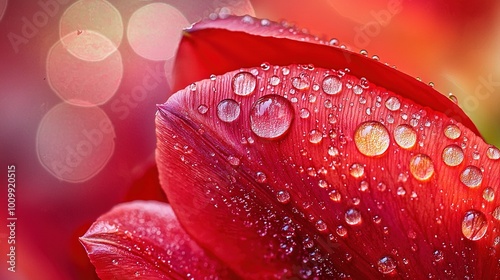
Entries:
{"x":81,"y":82}
{"x":86,"y":18}
{"x":75,"y":143}
{"x":154,"y":31}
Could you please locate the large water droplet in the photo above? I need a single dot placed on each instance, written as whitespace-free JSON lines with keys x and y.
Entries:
{"x":283,"y":196}
{"x":386,"y":265}
{"x":493,"y":153}
{"x":453,"y":155}
{"x":421,"y":167}
{"x":474,"y":225}
{"x":331,"y":85}
{"x":352,"y":216}
{"x":356,"y":170}
{"x":471,"y":176}
{"x":271,"y":116}
{"x":228,"y":110}
{"x":244,"y":83}
{"x":405,"y":136}
{"x":371,"y":138}
{"x":393,"y":103}
{"x":452,"y":131}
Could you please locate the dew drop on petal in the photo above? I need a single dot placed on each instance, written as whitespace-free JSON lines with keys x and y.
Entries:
{"x":393,"y":103}
{"x":274,"y":80}
{"x":474,"y":225}
{"x":489,"y":194}
{"x":452,"y":155}
{"x":452,"y":131}
{"x":371,"y":138}
{"x":301,"y":82}
{"x":493,"y":153}
{"x":304,"y":113}
{"x":260,"y":177}
{"x":202,"y":109}
{"x":228,"y":110}
{"x":244,"y":83}
{"x":386,"y":265}
{"x":341,"y":231}
{"x":421,"y":167}
{"x":283,"y":196}
{"x":315,"y":136}
{"x":335,"y":196}
{"x":234,"y":161}
{"x":271,"y":116}
{"x":331,"y":85}
{"x":496,"y":213}
{"x":405,"y":136}
{"x":352,"y":216}
{"x":321,"y":225}
{"x":356,"y":170}
{"x":471,"y":176}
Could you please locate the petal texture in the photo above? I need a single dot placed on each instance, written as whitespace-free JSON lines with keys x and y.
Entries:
{"x":299,"y":171}
{"x":143,"y":240}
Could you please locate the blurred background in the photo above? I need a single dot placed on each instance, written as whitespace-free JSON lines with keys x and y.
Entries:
{"x":79,"y":81}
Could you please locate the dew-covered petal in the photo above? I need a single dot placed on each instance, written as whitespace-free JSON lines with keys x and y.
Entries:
{"x":143,"y":240}
{"x":222,"y":45}
{"x":331,"y":193}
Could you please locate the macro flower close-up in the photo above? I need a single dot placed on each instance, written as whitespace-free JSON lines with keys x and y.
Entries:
{"x":250,"y":139}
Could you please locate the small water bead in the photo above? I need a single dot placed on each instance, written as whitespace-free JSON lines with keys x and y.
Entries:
{"x":335,"y":196}
{"x":234,"y":161}
{"x":405,"y":136}
{"x":331,"y":85}
{"x":304,"y":113}
{"x":489,"y":194}
{"x":244,"y":83}
{"x":363,"y":186}
{"x":375,"y":57}
{"x":332,"y":151}
{"x":283,"y":196}
{"x":363,"y":52}
{"x":192,"y":87}
{"x":401,"y":191}
{"x":260,"y":177}
{"x":315,"y":136}
{"x":393,"y":103}
{"x":452,"y":132}
{"x":386,"y":265}
{"x":453,"y":98}
{"x":474,"y":225}
{"x":271,"y":116}
{"x":321,"y":225}
{"x":301,"y":82}
{"x":496,"y":213}
{"x":438,"y":255}
{"x":274,"y":80}
{"x":452,"y":155}
{"x":228,"y":110}
{"x":202,"y":109}
{"x":421,"y":167}
{"x":285,"y":71}
{"x":493,"y":153}
{"x":356,"y":170}
{"x":265,"y":66}
{"x":471,"y":176}
{"x":341,"y":231}
{"x":353,"y":216}
{"x":372,"y":138}
{"x":213,"y":77}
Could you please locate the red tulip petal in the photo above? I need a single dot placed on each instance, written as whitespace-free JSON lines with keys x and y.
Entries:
{"x":143,"y":239}
{"x":216,"y":47}
{"x":302,"y":171}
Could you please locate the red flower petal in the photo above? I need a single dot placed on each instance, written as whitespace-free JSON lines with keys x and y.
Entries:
{"x":303,"y":171}
{"x":143,"y":239}
{"x":216,"y":47}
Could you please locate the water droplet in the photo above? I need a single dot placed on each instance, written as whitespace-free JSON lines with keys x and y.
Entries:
{"x":381,"y":186}
{"x":386,"y":265}
{"x":401,"y":191}
{"x":474,"y":225}
{"x":421,"y":167}
{"x":363,"y":186}
{"x":363,"y":52}
{"x":304,"y":113}
{"x":285,"y":71}
{"x":489,"y":194}
{"x":274,"y":80}
{"x":244,"y":83}
{"x":331,"y":85}
{"x":234,"y":161}
{"x":332,"y":151}
{"x":260,"y":177}
{"x":405,"y":136}
{"x":301,"y":82}
{"x":192,"y":87}
{"x":356,"y":170}
{"x":496,"y":213}
{"x":352,"y":216}
{"x":371,"y":138}
{"x":375,"y":57}
{"x":228,"y":110}
{"x":283,"y":196}
{"x":335,"y":196}
{"x":452,"y":131}
{"x":271,"y":116}
{"x":431,"y":84}
{"x":213,"y":77}
{"x":393,"y":103}
{"x":471,"y":176}
{"x":265,"y":66}
{"x":493,"y":153}
{"x":341,"y":231}
{"x":438,"y":255}
{"x":315,"y":136}
{"x":202,"y":109}
{"x":321,"y":225}
{"x":114,"y":262}
{"x":453,"y":98}
{"x":452,"y":155}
